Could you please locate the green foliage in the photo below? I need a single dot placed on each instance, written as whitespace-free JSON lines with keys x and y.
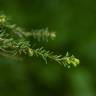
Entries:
{"x":13,"y":42}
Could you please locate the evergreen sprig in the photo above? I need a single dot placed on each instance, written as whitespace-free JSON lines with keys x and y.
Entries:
{"x":13,"y":42}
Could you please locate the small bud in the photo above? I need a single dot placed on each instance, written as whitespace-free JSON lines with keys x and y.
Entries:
{"x":52,"y":35}
{"x":72,"y":60}
{"x":2,"y":19}
{"x":75,"y":61}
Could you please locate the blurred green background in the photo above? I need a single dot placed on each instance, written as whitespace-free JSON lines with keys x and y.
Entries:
{"x":75,"y":24}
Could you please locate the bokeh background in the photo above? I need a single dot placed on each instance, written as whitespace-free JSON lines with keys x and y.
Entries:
{"x":75,"y":24}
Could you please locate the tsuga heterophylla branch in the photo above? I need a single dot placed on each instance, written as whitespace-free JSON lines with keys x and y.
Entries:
{"x":13,"y":42}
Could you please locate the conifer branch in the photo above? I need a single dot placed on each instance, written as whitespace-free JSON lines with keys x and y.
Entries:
{"x":13,"y":42}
